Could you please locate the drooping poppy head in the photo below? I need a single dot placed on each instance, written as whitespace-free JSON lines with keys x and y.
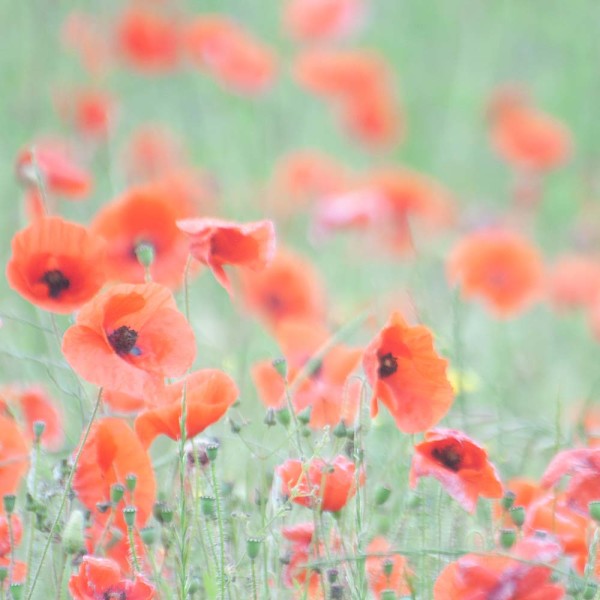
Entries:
{"x":459,"y":463}
{"x":319,"y":484}
{"x":583,"y":466}
{"x":57,"y":265}
{"x":387,"y":572}
{"x":217,"y":243}
{"x":231,"y":54}
{"x":14,"y":457}
{"x":287,"y":288}
{"x":129,"y":339}
{"x":524,"y":136}
{"x":208,"y":395}
{"x":408,"y":376}
{"x":574,"y":281}
{"x":498,"y":266}
{"x":145,"y":215}
{"x":320,"y":20}
{"x":52,"y":161}
{"x":101,"y":578}
{"x":148,"y":40}
{"x":111,"y":452}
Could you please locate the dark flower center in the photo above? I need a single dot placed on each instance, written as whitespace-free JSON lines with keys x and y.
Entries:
{"x":388,"y":365}
{"x":57,"y":283}
{"x":123,"y":340}
{"x":114,"y":595}
{"x":449,"y":456}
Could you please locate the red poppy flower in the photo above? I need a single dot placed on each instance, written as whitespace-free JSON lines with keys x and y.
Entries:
{"x":475,"y":577}
{"x":302,"y":551}
{"x":324,"y":390}
{"x":322,"y":485}
{"x":574,"y":281}
{"x":394,"y":577}
{"x":62,"y":175}
{"x":145,"y":215}
{"x":300,"y":534}
{"x":287,"y":288}
{"x":14,"y":457}
{"x":499,"y":266}
{"x":236,"y":58}
{"x":89,"y":110}
{"x":113,"y":451}
{"x":216,"y":243}
{"x":209,"y":393}
{"x":526,"y":492}
{"x":583,"y":465}
{"x":83,"y":34}
{"x":459,"y":463}
{"x":315,"y":20}
{"x":408,"y":376}
{"x":5,"y":534}
{"x":18,"y":574}
{"x":129,"y":339}
{"x":148,"y":40}
{"x":56,"y":265}
{"x":101,"y":578}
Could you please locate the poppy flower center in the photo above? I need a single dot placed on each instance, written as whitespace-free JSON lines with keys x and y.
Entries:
{"x":388,"y":365}
{"x":449,"y":456}
{"x":56,"y":281}
{"x":114,"y":595}
{"x":123,"y":340}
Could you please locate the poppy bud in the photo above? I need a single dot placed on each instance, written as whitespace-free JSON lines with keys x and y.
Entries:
{"x":194,"y":586}
{"x":129,"y":513}
{"x":269,"y":419}
{"x":283,"y":416}
{"x":9,"y":503}
{"x":517,"y":515}
{"x":332,"y":575}
{"x":145,"y":254}
{"x":507,"y":538}
{"x":116,"y":493}
{"x":234,"y":425}
{"x":253,"y":547}
{"x":131,"y":481}
{"x":148,"y":535}
{"x":280,"y":365}
{"x":305,"y":431}
{"x":508,"y":500}
{"x":304,"y":416}
{"x":382,"y":493}
{"x":594,"y":508}
{"x":38,"y":430}
{"x":16,"y":591}
{"x":73,"y":534}
{"x":388,"y":567}
{"x":590,"y":591}
{"x":207,"y":504}
{"x":340,"y":430}
{"x":212,"y":451}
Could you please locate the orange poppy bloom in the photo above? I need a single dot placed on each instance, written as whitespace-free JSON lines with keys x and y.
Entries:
{"x":315,"y":20}
{"x":5,"y":539}
{"x":583,"y":465}
{"x":526,"y":137}
{"x":216,"y":243}
{"x":35,"y":404}
{"x":209,"y":393}
{"x":19,"y":571}
{"x":499,"y":266}
{"x":474,"y":577}
{"x":236,"y":58}
{"x":57,"y":265}
{"x":287,"y":288}
{"x":101,"y":578}
{"x":129,"y":339}
{"x":380,"y":580}
{"x":408,"y":376}
{"x":147,"y":40}
{"x":459,"y":463}
{"x":113,"y":451}
{"x":574,"y":281}
{"x":145,"y":215}
{"x":295,"y":574}
{"x":90,"y":111}
{"x":14,"y":457}
{"x":324,"y":390}
{"x":319,"y":484}
{"x":62,"y":175}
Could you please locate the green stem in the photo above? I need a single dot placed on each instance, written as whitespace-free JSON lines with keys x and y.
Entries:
{"x":64,"y":497}
{"x":216,"y":490}
{"x":30,"y":533}
{"x":134,"y":558}
{"x":254,"y":584}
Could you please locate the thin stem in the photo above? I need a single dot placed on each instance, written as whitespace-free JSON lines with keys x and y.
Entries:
{"x":216,"y":490}
{"x":30,"y":533}
{"x":11,"y":540}
{"x":134,"y":558}
{"x":63,"y":499}
{"x":254,"y":583}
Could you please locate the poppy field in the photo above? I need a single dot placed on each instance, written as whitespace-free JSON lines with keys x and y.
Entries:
{"x":301,"y":300}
